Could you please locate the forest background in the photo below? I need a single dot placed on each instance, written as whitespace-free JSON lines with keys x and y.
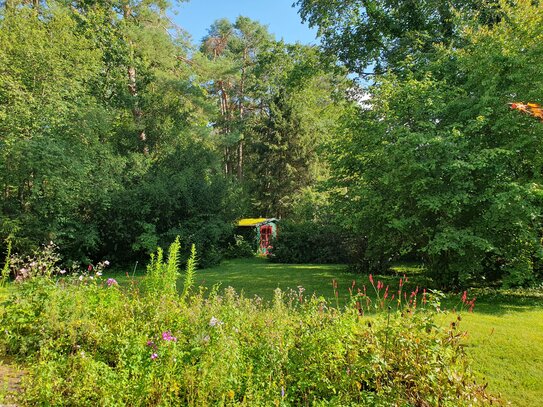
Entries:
{"x":394,"y":137}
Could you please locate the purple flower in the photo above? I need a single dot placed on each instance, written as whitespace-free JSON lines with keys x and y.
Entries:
{"x":154,"y":356}
{"x":111,"y":281}
{"x":167,"y":336}
{"x":282,"y":392}
{"x":150,"y":343}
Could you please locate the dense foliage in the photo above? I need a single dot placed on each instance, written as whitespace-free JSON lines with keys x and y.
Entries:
{"x":88,"y":341}
{"x":435,"y":164}
{"x":310,"y":242}
{"x":379,"y":35}
{"x":117,"y":134}
{"x":279,"y":103}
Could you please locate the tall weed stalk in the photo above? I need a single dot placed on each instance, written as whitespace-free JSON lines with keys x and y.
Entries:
{"x":189,"y":273}
{"x":5,"y":270}
{"x":162,"y":274}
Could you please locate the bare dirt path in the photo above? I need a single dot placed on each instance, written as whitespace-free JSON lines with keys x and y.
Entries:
{"x":10,"y":383}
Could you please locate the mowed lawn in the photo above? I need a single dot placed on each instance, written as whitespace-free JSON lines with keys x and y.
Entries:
{"x":259,"y":277}
{"x":504,"y":333}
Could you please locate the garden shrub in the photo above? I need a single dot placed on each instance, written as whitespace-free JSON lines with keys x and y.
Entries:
{"x":309,"y":242}
{"x":88,"y":341}
{"x":239,"y":248}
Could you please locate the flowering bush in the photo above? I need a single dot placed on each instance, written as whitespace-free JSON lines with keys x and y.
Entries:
{"x":89,"y":344}
{"x":43,"y":262}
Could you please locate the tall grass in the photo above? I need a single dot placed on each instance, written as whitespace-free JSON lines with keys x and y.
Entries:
{"x":87,"y":342}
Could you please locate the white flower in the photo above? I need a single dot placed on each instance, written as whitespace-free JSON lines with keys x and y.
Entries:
{"x":98,"y":273}
{"x":215,"y":322}
{"x":80,"y":278}
{"x":62,"y":271}
{"x":106,"y":262}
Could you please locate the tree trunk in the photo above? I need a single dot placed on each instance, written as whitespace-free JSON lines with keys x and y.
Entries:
{"x":225,"y":113}
{"x":133,"y":89}
{"x":241,"y":113}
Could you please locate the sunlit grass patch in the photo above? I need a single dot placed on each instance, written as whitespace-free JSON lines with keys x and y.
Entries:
{"x":505,"y":331}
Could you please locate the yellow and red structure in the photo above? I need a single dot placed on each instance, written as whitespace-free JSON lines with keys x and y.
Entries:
{"x":265,"y":230}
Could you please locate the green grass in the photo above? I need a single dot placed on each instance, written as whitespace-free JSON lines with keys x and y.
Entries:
{"x":504,"y":333}
{"x":259,"y":277}
{"x":506,"y":350}
{"x":505,"y":343}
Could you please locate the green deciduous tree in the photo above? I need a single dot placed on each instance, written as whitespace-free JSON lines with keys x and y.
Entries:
{"x":439,"y":166}
{"x":376,"y":35}
{"x":97,"y":107}
{"x":55,"y":170}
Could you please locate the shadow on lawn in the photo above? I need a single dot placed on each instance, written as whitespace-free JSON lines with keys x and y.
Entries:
{"x":500,"y":303}
{"x":257,"y":276}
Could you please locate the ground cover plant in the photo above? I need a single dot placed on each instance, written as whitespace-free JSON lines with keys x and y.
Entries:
{"x":504,"y":332}
{"x":87,"y":341}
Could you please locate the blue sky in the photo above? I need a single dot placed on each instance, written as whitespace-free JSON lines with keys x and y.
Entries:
{"x":281,"y":18}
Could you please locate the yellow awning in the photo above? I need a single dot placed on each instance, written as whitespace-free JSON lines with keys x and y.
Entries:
{"x":250,"y":221}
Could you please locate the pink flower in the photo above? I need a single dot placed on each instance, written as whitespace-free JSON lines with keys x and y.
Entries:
{"x":167,"y":336}
{"x":154,"y":356}
{"x":371,"y":279}
{"x":472,"y":304}
{"x":90,"y":267}
{"x":111,"y":281}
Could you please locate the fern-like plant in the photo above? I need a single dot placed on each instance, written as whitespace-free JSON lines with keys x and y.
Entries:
{"x":189,"y":273}
{"x":162,"y":274}
{"x":171,"y":269}
{"x":154,"y":271}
